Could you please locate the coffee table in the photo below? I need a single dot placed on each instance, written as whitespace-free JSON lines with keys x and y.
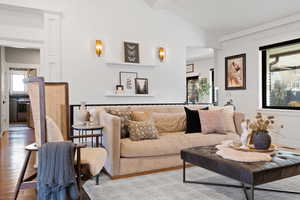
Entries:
{"x":284,"y":165}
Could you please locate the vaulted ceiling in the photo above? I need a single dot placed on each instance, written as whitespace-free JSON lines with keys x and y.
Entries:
{"x":228,"y":16}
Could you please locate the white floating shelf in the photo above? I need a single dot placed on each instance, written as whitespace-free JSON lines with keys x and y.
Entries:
{"x":111,"y":94}
{"x":129,"y":64}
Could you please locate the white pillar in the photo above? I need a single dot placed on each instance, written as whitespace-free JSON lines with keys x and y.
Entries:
{"x":52,"y":47}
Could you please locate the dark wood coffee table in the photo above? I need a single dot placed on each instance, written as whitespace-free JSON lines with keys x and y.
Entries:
{"x":284,"y":165}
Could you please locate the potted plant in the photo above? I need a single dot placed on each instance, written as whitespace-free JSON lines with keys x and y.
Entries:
{"x":260,"y":128}
{"x":203,"y":89}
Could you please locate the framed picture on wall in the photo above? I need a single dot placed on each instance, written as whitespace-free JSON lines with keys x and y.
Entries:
{"x":235,"y":72}
{"x":127,"y":80}
{"x":131,"y":52}
{"x":141,"y":86}
{"x":190,"y":68}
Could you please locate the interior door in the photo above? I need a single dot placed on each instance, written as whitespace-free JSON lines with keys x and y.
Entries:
{"x":4,"y":93}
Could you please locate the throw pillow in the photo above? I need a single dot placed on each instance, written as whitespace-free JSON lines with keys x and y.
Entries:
{"x":141,"y":130}
{"x":228,"y":121}
{"x":193,"y":124}
{"x":140,"y":116}
{"x":124,"y":117}
{"x":217,"y":121}
{"x":164,"y":122}
{"x":169,"y":122}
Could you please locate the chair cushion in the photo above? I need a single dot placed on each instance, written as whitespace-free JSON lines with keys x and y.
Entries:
{"x":53,"y":132}
{"x":169,"y":144}
{"x":94,"y":157}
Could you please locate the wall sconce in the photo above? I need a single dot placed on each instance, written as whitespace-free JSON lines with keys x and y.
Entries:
{"x":99,"y":47}
{"x":161,"y":53}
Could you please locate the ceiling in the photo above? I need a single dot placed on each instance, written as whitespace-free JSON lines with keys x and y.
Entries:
{"x":229,"y":16}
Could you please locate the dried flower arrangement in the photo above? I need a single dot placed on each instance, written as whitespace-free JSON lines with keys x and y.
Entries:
{"x":261,"y":123}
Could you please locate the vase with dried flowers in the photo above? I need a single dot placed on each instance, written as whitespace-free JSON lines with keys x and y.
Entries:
{"x":260,"y":127}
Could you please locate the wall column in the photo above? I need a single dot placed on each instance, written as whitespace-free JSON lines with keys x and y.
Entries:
{"x":51,"y":69}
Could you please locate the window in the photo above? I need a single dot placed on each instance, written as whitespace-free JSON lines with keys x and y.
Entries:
{"x":17,"y":84}
{"x":281,"y":75}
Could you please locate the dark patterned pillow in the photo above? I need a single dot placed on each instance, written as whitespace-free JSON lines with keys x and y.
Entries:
{"x":124,"y":116}
{"x":141,"y":130}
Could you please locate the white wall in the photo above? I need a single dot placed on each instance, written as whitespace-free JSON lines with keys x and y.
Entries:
{"x":114,"y":22}
{"x":248,"y":101}
{"x":203,"y":66}
{"x":22,"y":55}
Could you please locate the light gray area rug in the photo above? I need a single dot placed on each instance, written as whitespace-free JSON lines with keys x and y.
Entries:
{"x":169,"y":186}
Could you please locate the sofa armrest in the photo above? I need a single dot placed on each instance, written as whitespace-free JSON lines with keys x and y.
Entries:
{"x":238,"y":119}
{"x":111,"y":142}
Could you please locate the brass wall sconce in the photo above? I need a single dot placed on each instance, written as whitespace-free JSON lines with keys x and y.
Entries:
{"x":161,"y":54}
{"x":99,"y":47}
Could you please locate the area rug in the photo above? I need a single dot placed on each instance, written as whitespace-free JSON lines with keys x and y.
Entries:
{"x":169,"y":186}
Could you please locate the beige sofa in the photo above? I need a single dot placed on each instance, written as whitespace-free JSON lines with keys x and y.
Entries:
{"x":126,"y":157}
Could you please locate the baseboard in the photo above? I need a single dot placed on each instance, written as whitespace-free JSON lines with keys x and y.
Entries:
{"x":148,"y":172}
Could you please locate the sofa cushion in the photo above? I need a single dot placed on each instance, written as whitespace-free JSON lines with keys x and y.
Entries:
{"x":140,"y":116}
{"x":169,"y":144}
{"x":169,"y":122}
{"x":164,"y":122}
{"x":142,"y":130}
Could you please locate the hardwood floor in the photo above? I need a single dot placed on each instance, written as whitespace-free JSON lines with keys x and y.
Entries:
{"x":12,"y":155}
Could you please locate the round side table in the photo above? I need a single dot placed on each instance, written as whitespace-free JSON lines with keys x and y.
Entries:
{"x":87,"y":131}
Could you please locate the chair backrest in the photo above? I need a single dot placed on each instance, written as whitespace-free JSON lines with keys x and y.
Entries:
{"x":36,"y":92}
{"x":57,"y":105}
{"x":49,"y":111}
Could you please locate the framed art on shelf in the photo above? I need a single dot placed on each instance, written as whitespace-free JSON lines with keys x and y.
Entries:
{"x":235,"y":72}
{"x":127,"y":80}
{"x":141,"y":86}
{"x":190,"y":68}
{"x":131,"y":52}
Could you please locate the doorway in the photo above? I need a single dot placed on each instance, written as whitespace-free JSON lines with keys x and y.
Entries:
{"x":200,"y":75}
{"x":16,"y":65}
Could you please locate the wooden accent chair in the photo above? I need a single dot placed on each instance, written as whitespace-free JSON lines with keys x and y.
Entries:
{"x":57,"y":111}
{"x":46,"y":130}
{"x":36,"y":91}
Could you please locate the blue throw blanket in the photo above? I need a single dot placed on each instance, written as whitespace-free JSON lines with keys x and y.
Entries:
{"x":56,"y":173}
